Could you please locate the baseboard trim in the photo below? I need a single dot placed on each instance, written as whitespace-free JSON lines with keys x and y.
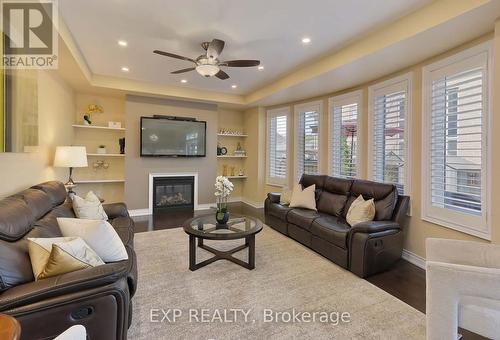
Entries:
{"x":138,"y":212}
{"x":414,"y":258}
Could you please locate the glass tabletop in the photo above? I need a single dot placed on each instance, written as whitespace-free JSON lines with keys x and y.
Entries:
{"x":238,"y":226}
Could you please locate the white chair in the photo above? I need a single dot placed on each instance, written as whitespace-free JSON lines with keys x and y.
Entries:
{"x":463,"y":288}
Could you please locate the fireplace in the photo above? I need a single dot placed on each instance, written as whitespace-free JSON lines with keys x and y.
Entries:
{"x":173,"y":193}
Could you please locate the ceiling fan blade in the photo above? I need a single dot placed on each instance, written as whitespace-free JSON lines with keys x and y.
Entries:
{"x":240,"y":63}
{"x":171,"y":55}
{"x":222,"y":75}
{"x":184,"y":70}
{"x":215,"y":48}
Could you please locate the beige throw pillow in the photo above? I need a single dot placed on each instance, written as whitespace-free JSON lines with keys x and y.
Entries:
{"x":360,"y":211}
{"x":98,"y":234}
{"x":59,"y":255}
{"x":286,"y":196}
{"x":89,"y":207}
{"x":303,"y":198}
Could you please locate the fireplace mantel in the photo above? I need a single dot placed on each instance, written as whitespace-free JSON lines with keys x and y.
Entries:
{"x":172,"y":174}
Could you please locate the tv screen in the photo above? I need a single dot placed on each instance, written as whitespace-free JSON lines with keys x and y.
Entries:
{"x":173,"y":138}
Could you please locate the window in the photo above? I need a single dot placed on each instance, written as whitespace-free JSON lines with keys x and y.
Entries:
{"x":455,"y":125}
{"x":343,"y":142}
{"x":307,"y":139}
{"x":277,"y":146}
{"x":389,"y":136}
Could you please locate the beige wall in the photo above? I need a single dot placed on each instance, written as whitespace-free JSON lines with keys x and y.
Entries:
{"x":418,"y":230}
{"x":56,"y":104}
{"x":137,"y":169}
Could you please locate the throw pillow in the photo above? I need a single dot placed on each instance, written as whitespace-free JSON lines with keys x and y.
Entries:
{"x":303,"y":198}
{"x":286,"y":196}
{"x":98,"y":234}
{"x":89,"y":207}
{"x":360,"y":211}
{"x":59,"y":255}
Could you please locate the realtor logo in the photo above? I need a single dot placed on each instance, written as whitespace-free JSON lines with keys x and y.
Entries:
{"x":30,"y":34}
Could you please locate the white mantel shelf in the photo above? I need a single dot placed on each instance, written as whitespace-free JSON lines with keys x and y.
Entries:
{"x":90,"y":181}
{"x":228,"y":135}
{"x":106,"y":154}
{"x":235,"y":177}
{"x":97,"y":127}
{"x":230,"y":156}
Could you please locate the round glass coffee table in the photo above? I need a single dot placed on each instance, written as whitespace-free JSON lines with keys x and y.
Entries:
{"x":206,"y":228}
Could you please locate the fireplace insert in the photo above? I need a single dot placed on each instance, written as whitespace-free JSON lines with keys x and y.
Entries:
{"x":173,"y":193}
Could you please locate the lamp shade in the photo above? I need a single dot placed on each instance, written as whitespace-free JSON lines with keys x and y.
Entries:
{"x":70,"y":157}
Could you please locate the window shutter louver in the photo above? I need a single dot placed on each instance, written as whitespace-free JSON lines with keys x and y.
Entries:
{"x":456,"y":141}
{"x":277,"y":147}
{"x":389,"y":138}
{"x":343,"y":141}
{"x":308,"y":141}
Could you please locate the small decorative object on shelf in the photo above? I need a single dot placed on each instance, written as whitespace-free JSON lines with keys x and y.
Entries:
{"x":115,"y":125}
{"x":224,"y":170}
{"x":229,"y":132}
{"x":233,"y":171}
{"x":239,"y":150}
{"x":241,"y":172}
{"x":121,"y":141}
{"x":100,"y":164}
{"x":101,"y":150}
{"x":86,"y":120}
{"x":91,"y":109}
{"x":223,"y":188}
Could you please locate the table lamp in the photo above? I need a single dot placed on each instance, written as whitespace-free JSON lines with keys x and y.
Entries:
{"x":70,"y":157}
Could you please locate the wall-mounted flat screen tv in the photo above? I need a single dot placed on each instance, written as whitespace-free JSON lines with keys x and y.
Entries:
{"x":169,"y":137}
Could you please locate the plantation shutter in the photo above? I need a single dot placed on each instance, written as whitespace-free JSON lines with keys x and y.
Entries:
{"x":389,"y":135}
{"x":307,"y":153}
{"x":457,"y":141}
{"x":277,"y":147}
{"x":344,"y":140}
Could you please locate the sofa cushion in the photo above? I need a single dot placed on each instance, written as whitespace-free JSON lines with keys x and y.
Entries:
{"x":384,"y":195}
{"x":15,"y":265}
{"x":16,"y":218}
{"x":308,"y":180}
{"x":278,"y":210}
{"x":55,"y":190}
{"x":38,"y":201}
{"x":302,"y":217}
{"x":331,"y":204}
{"x":331,"y":229}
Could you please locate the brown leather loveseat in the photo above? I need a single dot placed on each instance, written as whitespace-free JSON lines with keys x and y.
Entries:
{"x":366,"y":248}
{"x":98,"y":298}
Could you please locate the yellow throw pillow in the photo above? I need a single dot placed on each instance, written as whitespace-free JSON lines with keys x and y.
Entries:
{"x":286,"y":196}
{"x":303,"y":198}
{"x":59,"y":255}
{"x":360,"y":211}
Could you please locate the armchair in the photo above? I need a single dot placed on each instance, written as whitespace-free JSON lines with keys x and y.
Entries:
{"x":463,"y":288}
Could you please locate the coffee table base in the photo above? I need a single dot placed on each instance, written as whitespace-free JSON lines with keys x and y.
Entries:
{"x":221,"y":255}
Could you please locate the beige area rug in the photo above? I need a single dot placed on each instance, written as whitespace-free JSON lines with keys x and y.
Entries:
{"x":287,"y":276}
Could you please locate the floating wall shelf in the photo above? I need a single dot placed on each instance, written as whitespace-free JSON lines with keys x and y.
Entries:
{"x":106,"y":154}
{"x":97,"y":127}
{"x":89,"y":181}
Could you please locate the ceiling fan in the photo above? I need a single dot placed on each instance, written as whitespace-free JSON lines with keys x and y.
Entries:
{"x":208,"y":64}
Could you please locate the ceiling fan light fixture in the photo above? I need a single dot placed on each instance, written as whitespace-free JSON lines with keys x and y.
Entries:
{"x":207,"y":70}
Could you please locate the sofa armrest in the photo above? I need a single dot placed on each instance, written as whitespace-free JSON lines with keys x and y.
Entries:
{"x":374,"y":227}
{"x":114,"y":210}
{"x":400,"y":214}
{"x":274,"y":197}
{"x":63,"y":284}
{"x":469,"y":253}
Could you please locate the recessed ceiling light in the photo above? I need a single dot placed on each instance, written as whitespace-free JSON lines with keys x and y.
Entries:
{"x":234,"y":86}
{"x":125,"y":69}
{"x":122,"y":43}
{"x":260,"y":67}
{"x":306,"y":40}
{"x":184,"y":81}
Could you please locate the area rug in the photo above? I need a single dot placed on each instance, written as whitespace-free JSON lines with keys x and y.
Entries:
{"x":293,"y":293}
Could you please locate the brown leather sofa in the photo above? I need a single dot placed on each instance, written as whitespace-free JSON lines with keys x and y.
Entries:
{"x":98,"y":298}
{"x":364,"y":249}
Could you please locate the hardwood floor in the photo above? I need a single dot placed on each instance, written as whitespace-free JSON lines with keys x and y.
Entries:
{"x":404,"y":281}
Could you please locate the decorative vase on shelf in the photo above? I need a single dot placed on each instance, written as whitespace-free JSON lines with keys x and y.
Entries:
{"x":223,"y":188}
{"x":101,"y":150}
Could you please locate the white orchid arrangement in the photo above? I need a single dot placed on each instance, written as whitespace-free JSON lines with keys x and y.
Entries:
{"x":223,"y":188}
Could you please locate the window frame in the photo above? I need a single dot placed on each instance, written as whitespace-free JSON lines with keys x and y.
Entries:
{"x":305,"y":107}
{"x":404,"y":81}
{"x":278,"y":112}
{"x":479,"y":226}
{"x":354,"y":97}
